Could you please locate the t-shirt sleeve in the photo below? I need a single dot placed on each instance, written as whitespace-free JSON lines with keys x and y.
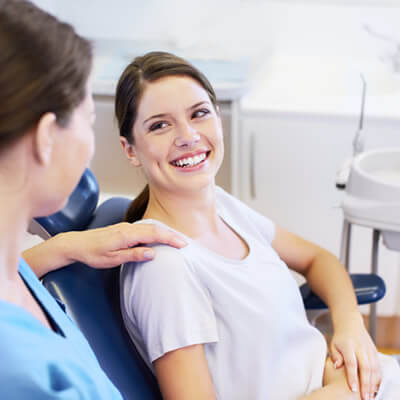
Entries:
{"x":166,"y":303}
{"x":245,"y":215}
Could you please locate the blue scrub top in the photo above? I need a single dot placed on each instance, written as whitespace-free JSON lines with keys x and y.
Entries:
{"x":37,"y":363}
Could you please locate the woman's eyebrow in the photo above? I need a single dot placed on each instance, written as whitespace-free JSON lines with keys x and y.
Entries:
{"x":154,"y":116}
{"x":198,"y":104}
{"x":165,"y":114}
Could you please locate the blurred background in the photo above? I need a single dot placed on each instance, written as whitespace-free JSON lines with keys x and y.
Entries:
{"x":287,"y":75}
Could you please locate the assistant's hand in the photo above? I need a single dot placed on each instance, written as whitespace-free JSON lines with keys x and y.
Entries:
{"x":115,"y":244}
{"x":352,"y":347}
{"x":100,"y":248}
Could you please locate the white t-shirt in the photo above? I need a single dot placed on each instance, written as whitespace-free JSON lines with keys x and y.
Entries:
{"x":248,"y":313}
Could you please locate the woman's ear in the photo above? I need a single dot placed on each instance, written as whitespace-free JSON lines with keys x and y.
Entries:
{"x":44,"y":139}
{"x":130,"y":152}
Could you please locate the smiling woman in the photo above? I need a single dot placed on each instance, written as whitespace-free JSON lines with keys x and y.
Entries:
{"x":210,"y":315}
{"x":169,"y":137}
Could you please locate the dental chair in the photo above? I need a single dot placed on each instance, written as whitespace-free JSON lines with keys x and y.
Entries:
{"x":92,"y":297}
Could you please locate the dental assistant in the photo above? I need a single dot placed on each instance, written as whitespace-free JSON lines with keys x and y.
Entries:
{"x":46,"y":141}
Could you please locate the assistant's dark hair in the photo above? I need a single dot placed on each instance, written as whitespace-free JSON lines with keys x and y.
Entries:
{"x":131,"y":85}
{"x":44,"y":67}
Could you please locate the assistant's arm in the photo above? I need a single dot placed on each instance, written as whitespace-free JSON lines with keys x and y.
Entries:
{"x":183,"y":374}
{"x":328,"y":278}
{"x":100,"y":248}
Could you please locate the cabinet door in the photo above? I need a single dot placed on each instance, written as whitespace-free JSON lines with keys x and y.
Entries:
{"x":288,"y":172}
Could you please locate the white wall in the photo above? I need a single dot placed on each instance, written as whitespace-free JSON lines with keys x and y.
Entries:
{"x":240,"y":26}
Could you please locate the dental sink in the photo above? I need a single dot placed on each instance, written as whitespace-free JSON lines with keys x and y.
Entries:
{"x":372,"y":196}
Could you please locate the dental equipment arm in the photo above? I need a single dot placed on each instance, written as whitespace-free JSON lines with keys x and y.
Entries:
{"x":343,"y":172}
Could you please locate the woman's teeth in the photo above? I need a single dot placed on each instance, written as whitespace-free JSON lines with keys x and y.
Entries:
{"x":190,"y":161}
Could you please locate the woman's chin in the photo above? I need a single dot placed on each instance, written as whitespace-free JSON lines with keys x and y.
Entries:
{"x":195,"y":185}
{"x":51,"y":209}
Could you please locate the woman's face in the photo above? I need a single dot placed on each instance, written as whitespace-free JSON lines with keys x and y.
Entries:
{"x":178,"y":138}
{"x":74,"y":149}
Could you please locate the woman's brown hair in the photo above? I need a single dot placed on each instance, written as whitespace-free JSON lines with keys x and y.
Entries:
{"x":131,"y":85}
{"x":44,"y":68}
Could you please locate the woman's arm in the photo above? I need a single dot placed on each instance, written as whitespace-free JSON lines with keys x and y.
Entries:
{"x":183,"y":374}
{"x":334,"y":391}
{"x":324,"y":273}
{"x":328,"y":278}
{"x":100,"y":248}
{"x":334,"y":386}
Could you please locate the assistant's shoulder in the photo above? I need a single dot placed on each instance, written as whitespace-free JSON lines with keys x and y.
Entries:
{"x":24,"y":371}
{"x":39,"y":364}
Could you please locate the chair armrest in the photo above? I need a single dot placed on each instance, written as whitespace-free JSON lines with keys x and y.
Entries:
{"x":369,"y":288}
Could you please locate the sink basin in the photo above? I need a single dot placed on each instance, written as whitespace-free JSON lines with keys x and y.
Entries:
{"x":372,"y":196}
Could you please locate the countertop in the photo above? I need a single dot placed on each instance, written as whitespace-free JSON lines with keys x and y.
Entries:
{"x":309,"y":85}
{"x":277,"y":83}
{"x":228,"y":77}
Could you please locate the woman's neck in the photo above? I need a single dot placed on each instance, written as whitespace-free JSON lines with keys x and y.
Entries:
{"x":15,"y":208}
{"x":192,"y":213}
{"x":13,"y":225}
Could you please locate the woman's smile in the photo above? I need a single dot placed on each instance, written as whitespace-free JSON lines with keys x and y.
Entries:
{"x":191,"y":161}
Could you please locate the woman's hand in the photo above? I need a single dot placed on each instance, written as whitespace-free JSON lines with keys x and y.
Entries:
{"x":334,"y":387}
{"x":100,"y":248}
{"x":335,"y":380}
{"x":352,"y":347}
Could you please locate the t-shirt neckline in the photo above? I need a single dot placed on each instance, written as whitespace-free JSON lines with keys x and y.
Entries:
{"x":201,"y":247}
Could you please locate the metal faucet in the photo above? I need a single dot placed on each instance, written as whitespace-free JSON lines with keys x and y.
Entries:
{"x":358,"y":141}
{"x":394,"y":57}
{"x":343,"y":173}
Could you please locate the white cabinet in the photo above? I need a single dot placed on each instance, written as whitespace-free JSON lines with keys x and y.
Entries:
{"x":112,"y":169}
{"x":287,"y":170}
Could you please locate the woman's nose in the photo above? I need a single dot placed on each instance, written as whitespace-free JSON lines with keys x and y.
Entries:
{"x":187,"y":135}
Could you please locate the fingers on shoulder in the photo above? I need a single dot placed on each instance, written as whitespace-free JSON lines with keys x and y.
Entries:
{"x":145,"y":234}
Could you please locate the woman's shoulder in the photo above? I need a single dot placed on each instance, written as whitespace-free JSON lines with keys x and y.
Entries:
{"x":230,"y":203}
{"x":236,"y":211}
{"x":167,"y":262}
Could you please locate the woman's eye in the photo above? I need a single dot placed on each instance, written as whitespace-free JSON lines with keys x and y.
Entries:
{"x":200,"y":113}
{"x":158,"y":125}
